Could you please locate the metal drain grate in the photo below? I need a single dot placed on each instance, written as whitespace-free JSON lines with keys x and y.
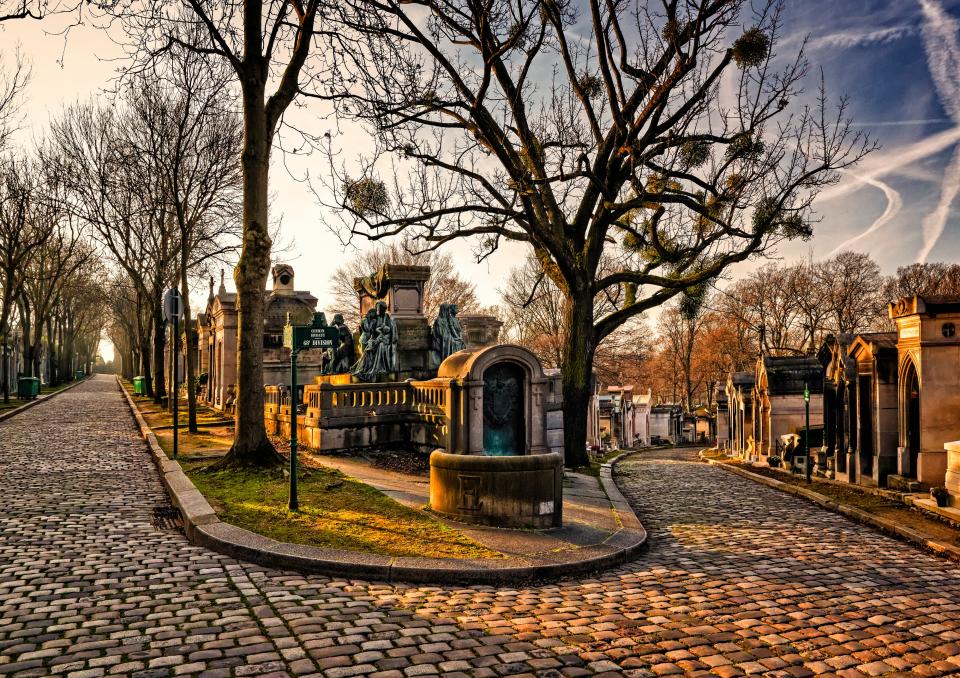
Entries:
{"x":167,"y":517}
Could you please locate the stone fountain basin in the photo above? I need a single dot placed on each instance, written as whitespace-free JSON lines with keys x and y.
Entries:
{"x":500,"y":491}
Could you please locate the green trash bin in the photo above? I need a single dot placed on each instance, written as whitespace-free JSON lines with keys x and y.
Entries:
{"x":78,"y":375}
{"x":28,"y":388}
{"x":138,"y":386}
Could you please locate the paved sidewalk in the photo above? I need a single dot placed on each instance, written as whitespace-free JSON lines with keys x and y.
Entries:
{"x":738,"y":579}
{"x":588,"y":515}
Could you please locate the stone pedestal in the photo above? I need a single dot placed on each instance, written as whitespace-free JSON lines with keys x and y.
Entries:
{"x":514,"y":491}
{"x":480,"y":330}
{"x":932,"y":467}
{"x":953,"y":472}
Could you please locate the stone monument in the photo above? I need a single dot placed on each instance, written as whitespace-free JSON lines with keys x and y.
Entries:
{"x":497,"y":468}
{"x":400,"y":289}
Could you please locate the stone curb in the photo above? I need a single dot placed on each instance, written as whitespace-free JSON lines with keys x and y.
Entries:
{"x":203,"y":528}
{"x":935,"y":546}
{"x":39,"y":399}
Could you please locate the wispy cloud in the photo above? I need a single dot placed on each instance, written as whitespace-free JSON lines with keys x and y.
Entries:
{"x":880,"y":164}
{"x":935,"y":222}
{"x":900,"y":123}
{"x":942,"y":47}
{"x":894,"y":205}
{"x":860,"y":38}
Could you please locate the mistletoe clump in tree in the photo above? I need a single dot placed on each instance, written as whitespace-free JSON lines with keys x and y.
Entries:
{"x":661,"y":136}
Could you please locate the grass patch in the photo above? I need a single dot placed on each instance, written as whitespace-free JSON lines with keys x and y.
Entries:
{"x":335,"y":512}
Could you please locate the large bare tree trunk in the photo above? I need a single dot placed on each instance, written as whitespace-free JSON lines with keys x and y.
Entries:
{"x":251,"y":447}
{"x":578,"y":350}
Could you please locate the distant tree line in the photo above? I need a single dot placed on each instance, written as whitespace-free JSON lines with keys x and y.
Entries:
{"x":51,"y":297}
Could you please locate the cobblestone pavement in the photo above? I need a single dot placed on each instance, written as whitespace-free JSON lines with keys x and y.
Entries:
{"x":739,"y":579}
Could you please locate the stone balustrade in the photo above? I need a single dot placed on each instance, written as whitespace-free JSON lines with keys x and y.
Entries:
{"x":338,"y":416}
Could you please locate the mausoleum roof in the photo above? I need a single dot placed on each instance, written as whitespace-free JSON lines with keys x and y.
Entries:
{"x":789,"y":375}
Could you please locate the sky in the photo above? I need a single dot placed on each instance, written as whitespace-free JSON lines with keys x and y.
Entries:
{"x":898,"y":62}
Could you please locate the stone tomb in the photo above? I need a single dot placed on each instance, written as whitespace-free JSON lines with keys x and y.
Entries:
{"x":928,"y":350}
{"x":497,"y":468}
{"x":217,"y":337}
{"x":739,"y":390}
{"x":779,"y":407}
{"x":874,"y":435}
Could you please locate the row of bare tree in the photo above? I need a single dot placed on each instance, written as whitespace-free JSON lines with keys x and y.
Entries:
{"x":122,"y":199}
{"x":51,"y":293}
{"x":155,"y":179}
{"x":51,"y":297}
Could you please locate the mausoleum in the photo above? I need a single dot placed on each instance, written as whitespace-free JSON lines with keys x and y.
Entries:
{"x":217,"y":337}
{"x":928,"y":390}
{"x":778,"y":399}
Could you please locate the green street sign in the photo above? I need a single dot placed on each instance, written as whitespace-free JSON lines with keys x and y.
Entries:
{"x":317,"y":335}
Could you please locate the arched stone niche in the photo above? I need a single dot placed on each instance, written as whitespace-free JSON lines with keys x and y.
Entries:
{"x":480,"y":375}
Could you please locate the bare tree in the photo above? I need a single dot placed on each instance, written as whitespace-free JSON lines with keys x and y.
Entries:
{"x":127,"y":320}
{"x":853,"y":293}
{"x":444,"y":286}
{"x":808,"y":287}
{"x":191,"y":140}
{"x":12,"y":84}
{"x":58,"y":260}
{"x":535,"y":317}
{"x":267,"y":44}
{"x":760,"y":301}
{"x":123,"y":198}
{"x":624,"y":150}
{"x":22,"y":234}
{"x":36,"y":9}
{"x":681,"y":327}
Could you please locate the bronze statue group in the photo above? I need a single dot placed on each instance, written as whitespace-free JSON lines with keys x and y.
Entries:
{"x":378,"y":343}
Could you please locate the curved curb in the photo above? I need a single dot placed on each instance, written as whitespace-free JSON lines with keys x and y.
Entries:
{"x":934,"y":546}
{"x":204,"y":528}
{"x":39,"y":399}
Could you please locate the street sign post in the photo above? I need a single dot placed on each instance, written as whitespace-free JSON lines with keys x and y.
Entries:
{"x":300,"y":338}
{"x":172,"y":312}
{"x":806,"y":402}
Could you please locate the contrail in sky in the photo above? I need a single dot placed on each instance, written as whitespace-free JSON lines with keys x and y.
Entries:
{"x":881,"y":164}
{"x":894,"y":205}
{"x":943,"y":59}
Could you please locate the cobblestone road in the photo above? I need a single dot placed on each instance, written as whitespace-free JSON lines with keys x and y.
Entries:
{"x":739,"y":579}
